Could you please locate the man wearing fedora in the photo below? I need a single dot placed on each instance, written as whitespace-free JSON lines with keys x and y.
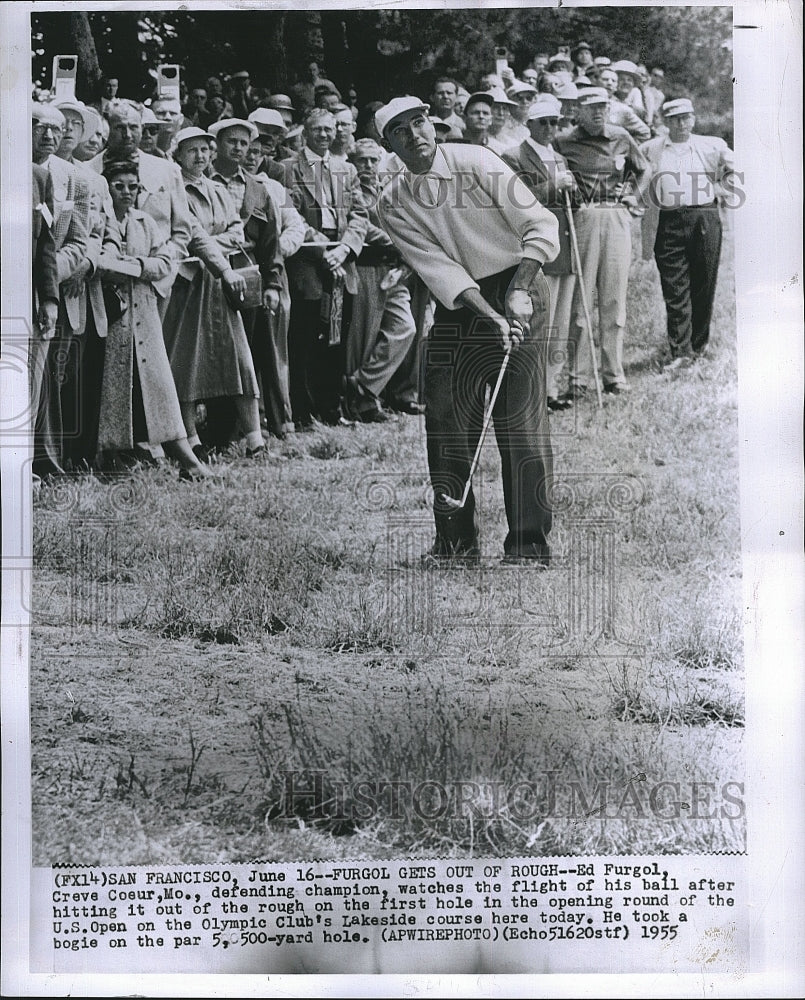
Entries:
{"x":481,"y":257}
{"x":681,"y":226}
{"x":283,"y":104}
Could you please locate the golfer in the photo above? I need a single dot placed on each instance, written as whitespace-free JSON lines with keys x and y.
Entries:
{"x":478,"y":239}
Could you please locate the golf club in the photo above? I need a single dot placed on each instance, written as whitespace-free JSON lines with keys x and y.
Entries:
{"x":583,"y":293}
{"x":458,"y":504}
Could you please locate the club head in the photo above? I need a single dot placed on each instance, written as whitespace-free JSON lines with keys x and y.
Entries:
{"x":450,"y":502}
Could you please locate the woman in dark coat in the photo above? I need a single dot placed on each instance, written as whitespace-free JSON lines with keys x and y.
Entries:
{"x":138,"y":394}
{"x":206,"y":340}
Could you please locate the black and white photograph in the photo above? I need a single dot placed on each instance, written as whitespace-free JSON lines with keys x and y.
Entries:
{"x":401,"y":495}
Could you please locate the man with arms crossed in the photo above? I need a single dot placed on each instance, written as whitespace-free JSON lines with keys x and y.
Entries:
{"x":481,"y":256}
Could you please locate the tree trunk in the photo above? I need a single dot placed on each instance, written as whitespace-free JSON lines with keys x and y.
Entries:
{"x":275,"y":54}
{"x":336,"y":56}
{"x":88,"y":70}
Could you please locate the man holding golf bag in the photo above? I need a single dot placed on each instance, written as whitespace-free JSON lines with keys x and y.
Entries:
{"x":478,"y":239}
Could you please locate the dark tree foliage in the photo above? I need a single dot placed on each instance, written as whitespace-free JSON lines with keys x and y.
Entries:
{"x":382,"y":52}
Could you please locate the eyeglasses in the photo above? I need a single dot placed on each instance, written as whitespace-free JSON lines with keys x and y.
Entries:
{"x":546,"y":121}
{"x":47,"y":127}
{"x":121,"y":186}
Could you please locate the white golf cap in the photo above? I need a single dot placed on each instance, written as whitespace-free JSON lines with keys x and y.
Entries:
{"x":519,"y":87}
{"x":561,"y":57}
{"x":47,"y":113}
{"x":265,"y":118}
{"x":149,"y":118}
{"x":396,"y":107}
{"x":625,"y":66}
{"x":602,"y":61}
{"x":191,"y":132}
{"x":69,"y":104}
{"x":593,"y":95}
{"x":566,"y":91}
{"x":545,"y":106}
{"x":217,"y":127}
{"x":681,"y":106}
{"x":499,"y":97}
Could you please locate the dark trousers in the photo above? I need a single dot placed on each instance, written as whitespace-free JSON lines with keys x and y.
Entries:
{"x":81,"y":395}
{"x":50,"y":428}
{"x":268,"y":341}
{"x":316,"y":369}
{"x":463,"y":356}
{"x":687,"y":251}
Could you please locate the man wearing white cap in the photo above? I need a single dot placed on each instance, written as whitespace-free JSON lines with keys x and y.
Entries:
{"x":151,"y":129}
{"x":504,"y":129}
{"x":545,"y":171}
{"x":603,"y":158}
{"x":522,"y":95}
{"x":271,"y":130}
{"x":628,"y":89}
{"x":682,"y":227}
{"x":267,"y":332}
{"x":478,"y":239}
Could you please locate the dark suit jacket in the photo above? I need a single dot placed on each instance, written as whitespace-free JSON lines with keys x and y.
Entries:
{"x":45,"y":270}
{"x":305,"y":183}
{"x":526,"y":162}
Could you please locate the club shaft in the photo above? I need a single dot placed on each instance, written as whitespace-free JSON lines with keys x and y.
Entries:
{"x":583,"y":294}
{"x":485,"y":427}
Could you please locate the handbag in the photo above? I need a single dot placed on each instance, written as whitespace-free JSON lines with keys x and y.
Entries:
{"x":252,"y":298}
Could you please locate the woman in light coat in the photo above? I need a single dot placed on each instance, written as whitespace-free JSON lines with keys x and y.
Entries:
{"x":138,"y":394}
{"x":204,"y":334}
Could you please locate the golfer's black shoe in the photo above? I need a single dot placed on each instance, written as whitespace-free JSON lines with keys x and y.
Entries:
{"x":560,"y":403}
{"x":409,"y":406}
{"x":573,"y":393}
{"x":532,"y":556}
{"x":374,"y":416}
{"x":616,"y":389}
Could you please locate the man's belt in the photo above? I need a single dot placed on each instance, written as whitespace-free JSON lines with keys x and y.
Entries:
{"x":690,"y":208}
